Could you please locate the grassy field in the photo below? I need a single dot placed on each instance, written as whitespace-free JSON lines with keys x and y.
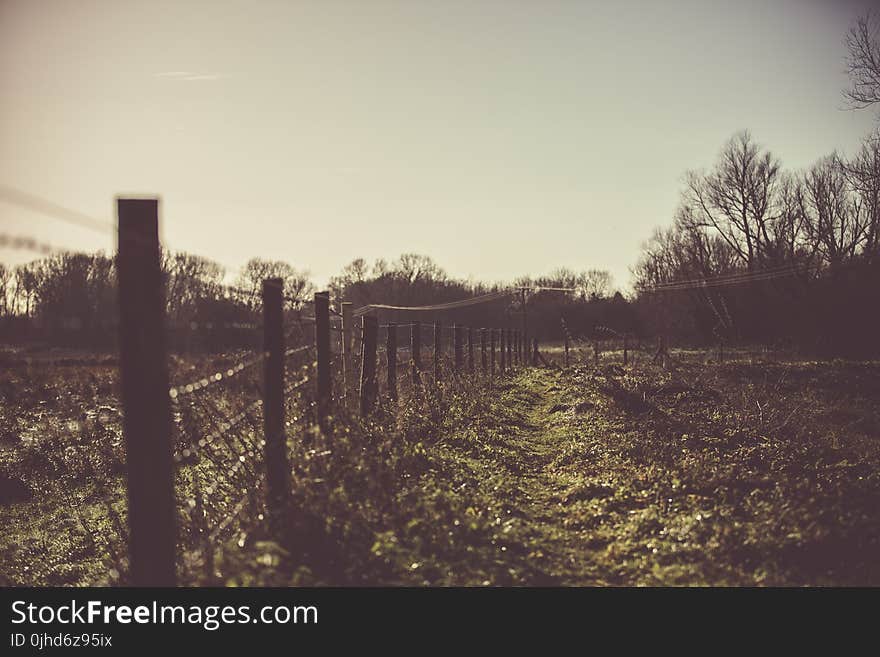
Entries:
{"x":750,"y":472}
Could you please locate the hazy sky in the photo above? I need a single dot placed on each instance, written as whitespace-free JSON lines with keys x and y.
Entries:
{"x":501,"y":138}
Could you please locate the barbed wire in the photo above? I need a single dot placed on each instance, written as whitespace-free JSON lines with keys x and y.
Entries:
{"x":217,"y":377}
{"x":484,"y":298}
{"x":23,"y":243}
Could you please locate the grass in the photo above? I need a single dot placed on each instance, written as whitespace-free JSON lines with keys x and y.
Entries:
{"x":746,"y":473}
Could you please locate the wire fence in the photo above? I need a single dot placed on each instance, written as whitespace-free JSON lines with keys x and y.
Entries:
{"x":206,"y":441}
{"x":207,"y":453}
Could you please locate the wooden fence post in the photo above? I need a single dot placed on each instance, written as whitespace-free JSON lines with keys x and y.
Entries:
{"x":514,"y":339}
{"x":438,"y":345}
{"x":483,"y":360}
{"x":277,"y":472}
{"x":347,"y":360}
{"x":502,"y":362}
{"x":535,"y":353}
{"x":415,"y":347}
{"x":456,"y":347}
{"x":145,"y":395}
{"x":322,"y":347}
{"x":470,"y":350}
{"x":625,"y":350}
{"x":492,"y":337}
{"x":391,"y":354}
{"x":509,"y":340}
{"x":565,"y":338}
{"x":370,"y":329}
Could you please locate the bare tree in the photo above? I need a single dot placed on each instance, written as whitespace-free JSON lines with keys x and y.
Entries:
{"x":737,"y":197}
{"x":863,"y":62}
{"x":863,"y":175}
{"x":297,"y":285}
{"x":5,"y":286}
{"x":836,"y":219}
{"x":190,"y":279}
{"x":27,"y":283}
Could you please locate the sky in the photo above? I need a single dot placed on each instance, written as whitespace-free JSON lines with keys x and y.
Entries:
{"x":500,"y":138}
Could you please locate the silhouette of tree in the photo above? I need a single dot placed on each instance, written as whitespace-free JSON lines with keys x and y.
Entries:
{"x":863,"y":62}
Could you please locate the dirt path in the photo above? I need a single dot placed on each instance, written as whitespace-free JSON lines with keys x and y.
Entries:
{"x":545,"y":441}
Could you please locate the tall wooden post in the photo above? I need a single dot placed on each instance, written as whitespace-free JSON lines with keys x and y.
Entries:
{"x":493,"y":335}
{"x":502,"y":362}
{"x":483,"y":360}
{"x":368,"y":364}
{"x":470,"y":350}
{"x":322,"y":347}
{"x":511,"y":348}
{"x":347,"y":360}
{"x":391,"y":354}
{"x":438,"y":346}
{"x":535,"y":353}
{"x":415,"y":347}
{"x":456,"y":347}
{"x":277,"y":472}
{"x":565,"y":338}
{"x":145,"y":399}
{"x":625,"y":349}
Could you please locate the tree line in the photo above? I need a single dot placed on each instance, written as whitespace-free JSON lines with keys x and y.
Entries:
{"x":71,"y":298}
{"x":805,"y":243}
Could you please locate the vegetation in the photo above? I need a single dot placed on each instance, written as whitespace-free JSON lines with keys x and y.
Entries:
{"x":743,"y":473}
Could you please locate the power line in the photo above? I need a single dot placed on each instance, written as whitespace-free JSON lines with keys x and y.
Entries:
{"x":731,"y":279}
{"x":48,"y":208}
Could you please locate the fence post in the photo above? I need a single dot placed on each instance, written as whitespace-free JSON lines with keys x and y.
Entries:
{"x":370,"y":329}
{"x":438,"y":342}
{"x":322,"y":347}
{"x":502,"y":334}
{"x":470,"y":350}
{"x":347,"y":370}
{"x":535,"y":353}
{"x":277,"y":472}
{"x":415,"y":347}
{"x":492,"y":337}
{"x":145,"y":397}
{"x":511,"y":361}
{"x":456,"y":347}
{"x":565,"y":338}
{"x":625,"y":350}
{"x":483,"y":360}
{"x":391,"y":353}
{"x":511,"y":348}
